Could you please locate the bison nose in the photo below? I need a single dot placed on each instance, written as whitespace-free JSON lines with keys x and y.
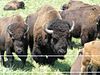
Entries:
{"x":19,"y":52}
{"x":62,"y":52}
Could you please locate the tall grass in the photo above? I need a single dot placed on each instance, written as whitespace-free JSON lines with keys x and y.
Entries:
{"x":33,"y":68}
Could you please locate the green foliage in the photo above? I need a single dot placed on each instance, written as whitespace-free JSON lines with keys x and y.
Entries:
{"x":33,"y":68}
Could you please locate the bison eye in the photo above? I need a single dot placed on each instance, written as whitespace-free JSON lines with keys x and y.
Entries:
{"x":55,"y":40}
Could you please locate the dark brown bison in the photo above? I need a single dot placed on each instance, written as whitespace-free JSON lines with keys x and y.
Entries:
{"x":85,"y":22}
{"x":50,"y":34}
{"x":13,"y":5}
{"x":13,"y":38}
{"x":74,"y":5}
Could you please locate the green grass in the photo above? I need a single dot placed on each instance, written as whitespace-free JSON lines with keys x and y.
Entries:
{"x":33,"y":68}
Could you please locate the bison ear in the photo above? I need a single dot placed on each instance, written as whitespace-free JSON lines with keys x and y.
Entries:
{"x":9,"y":29}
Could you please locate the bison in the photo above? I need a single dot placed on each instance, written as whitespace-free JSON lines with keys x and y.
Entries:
{"x":91,"y":56}
{"x":13,"y":38}
{"x":86,"y":22}
{"x":13,"y":5}
{"x":74,"y":5}
{"x":50,"y":35}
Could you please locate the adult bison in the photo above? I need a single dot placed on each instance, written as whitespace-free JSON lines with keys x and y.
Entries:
{"x":50,"y":35}
{"x":13,"y":5}
{"x":74,"y":5}
{"x":85,"y":22}
{"x":13,"y":38}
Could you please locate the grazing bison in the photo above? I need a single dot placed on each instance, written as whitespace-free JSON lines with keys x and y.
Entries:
{"x":85,"y":22}
{"x":13,"y":38}
{"x":13,"y":5}
{"x":91,"y":55}
{"x":50,"y":34}
{"x":74,"y":5}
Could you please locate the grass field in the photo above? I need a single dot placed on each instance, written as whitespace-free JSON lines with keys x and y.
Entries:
{"x":33,"y":68}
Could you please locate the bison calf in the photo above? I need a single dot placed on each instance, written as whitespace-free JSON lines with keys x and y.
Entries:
{"x":91,"y":55}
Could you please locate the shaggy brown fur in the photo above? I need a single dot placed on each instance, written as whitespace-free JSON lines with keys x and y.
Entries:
{"x":12,"y":35}
{"x":43,"y":42}
{"x":85,"y":22}
{"x":91,"y":55}
{"x":49,"y":14}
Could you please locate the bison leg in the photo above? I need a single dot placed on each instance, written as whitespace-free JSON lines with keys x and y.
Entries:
{"x":70,"y":44}
{"x":9,"y":56}
{"x":84,"y":65}
{"x":94,"y":70}
{"x":37,"y":55}
{"x":84,"y":70}
{"x":23,"y":58}
{"x":92,"y":36}
{"x":2,"y":57}
{"x":31,"y":43}
{"x":84,"y":38}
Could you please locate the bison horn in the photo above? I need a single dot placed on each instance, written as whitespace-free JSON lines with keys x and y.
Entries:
{"x":72,"y":28}
{"x":27,"y":28}
{"x":8,"y":30}
{"x":47,"y":30}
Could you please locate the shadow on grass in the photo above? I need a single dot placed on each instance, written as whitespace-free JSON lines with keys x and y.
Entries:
{"x":62,"y":67}
{"x":17,"y":65}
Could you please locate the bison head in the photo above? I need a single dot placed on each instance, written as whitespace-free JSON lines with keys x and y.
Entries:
{"x":64,"y":7}
{"x":60,"y":34}
{"x":18,"y":35}
{"x":21,"y":5}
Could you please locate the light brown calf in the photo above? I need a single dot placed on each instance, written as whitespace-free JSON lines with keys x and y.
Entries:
{"x":91,"y":55}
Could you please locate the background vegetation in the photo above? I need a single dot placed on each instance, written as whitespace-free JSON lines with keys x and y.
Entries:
{"x":60,"y":67}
